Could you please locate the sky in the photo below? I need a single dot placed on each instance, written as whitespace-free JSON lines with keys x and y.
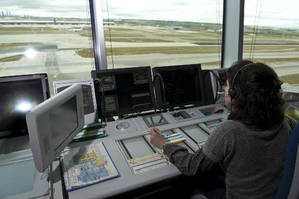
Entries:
{"x":275,"y":13}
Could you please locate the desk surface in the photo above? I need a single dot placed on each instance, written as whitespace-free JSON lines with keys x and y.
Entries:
{"x":137,"y":127}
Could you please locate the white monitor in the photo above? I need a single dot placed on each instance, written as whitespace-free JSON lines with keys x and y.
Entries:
{"x":53,"y":123}
{"x":89,"y":99}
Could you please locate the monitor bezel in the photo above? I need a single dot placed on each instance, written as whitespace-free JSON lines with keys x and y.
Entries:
{"x":43,"y":77}
{"x":128,"y":70}
{"x":43,"y":149}
{"x":158,"y":90}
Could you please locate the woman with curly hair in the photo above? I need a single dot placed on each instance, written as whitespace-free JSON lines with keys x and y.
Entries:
{"x":250,"y":146}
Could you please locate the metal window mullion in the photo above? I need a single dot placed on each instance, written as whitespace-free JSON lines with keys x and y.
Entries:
{"x":97,"y":23}
{"x":232,"y":36}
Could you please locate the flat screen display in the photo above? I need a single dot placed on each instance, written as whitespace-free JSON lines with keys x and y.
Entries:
{"x":16,"y":98}
{"x":63,"y":119}
{"x":126,"y":90}
{"x":182,"y":84}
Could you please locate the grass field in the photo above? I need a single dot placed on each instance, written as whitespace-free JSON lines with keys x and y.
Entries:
{"x":11,"y":58}
{"x":291,"y":79}
{"x":26,"y":30}
{"x":192,"y":50}
{"x":4,"y":46}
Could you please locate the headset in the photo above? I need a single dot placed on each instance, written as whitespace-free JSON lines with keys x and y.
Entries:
{"x":232,"y":92}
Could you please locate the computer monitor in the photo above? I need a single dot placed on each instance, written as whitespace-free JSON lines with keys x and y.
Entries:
{"x":89,"y":100}
{"x":183,"y":85}
{"x":127,"y":90}
{"x":53,"y":123}
{"x":18,"y":94}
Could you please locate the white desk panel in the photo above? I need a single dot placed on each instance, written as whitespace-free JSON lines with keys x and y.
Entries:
{"x":137,"y":127}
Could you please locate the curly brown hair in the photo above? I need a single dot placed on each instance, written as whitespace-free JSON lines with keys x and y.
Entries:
{"x":258,"y":100}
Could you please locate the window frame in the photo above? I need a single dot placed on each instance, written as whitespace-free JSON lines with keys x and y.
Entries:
{"x":230,"y":8}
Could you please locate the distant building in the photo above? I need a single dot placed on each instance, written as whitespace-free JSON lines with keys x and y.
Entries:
{"x":110,"y":23}
{"x":211,"y":30}
{"x":177,"y":28}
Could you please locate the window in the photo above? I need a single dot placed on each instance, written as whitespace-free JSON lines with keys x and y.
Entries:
{"x":49,"y":36}
{"x":271,"y":36}
{"x":162,"y":32}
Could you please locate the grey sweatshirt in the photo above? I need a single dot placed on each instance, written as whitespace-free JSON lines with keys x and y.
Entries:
{"x":252,"y":160}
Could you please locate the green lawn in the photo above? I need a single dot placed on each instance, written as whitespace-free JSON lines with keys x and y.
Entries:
{"x":4,"y":46}
{"x":291,"y":79}
{"x":11,"y":58}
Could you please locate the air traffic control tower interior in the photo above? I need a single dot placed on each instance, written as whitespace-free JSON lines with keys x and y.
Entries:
{"x":77,"y":104}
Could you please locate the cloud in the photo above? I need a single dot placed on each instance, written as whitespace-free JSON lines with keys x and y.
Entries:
{"x":175,"y":10}
{"x":275,"y":13}
{"x":261,"y":12}
{"x":48,"y":8}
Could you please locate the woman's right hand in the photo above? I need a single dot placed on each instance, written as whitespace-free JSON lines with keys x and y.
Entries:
{"x":157,"y":139}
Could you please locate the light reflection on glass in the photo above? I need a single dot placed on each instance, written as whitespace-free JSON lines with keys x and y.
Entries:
{"x":30,"y":53}
{"x":23,"y":106}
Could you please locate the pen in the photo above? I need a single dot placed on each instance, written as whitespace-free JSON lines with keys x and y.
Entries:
{"x":157,"y":131}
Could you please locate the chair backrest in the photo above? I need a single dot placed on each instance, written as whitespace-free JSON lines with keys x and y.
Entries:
{"x":289,"y":187}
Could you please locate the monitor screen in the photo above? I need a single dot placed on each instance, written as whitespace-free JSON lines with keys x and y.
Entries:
{"x":63,"y":119}
{"x":53,"y":123}
{"x":18,"y":95}
{"x":183,"y":85}
{"x":127,"y":90}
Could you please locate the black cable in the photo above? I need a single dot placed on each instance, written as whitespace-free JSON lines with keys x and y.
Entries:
{"x":102,"y":102}
{"x":61,"y":169}
{"x":155,"y":98}
{"x":110,"y":38}
{"x":218,"y":82}
{"x":158,"y":75}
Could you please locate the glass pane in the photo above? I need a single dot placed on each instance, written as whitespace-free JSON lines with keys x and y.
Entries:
{"x":271,"y":36}
{"x":137,"y":147}
{"x":195,"y":133}
{"x":154,"y":120}
{"x":162,"y":33}
{"x":46,"y":36}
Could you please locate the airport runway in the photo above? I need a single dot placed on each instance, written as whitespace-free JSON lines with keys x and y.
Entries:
{"x":63,"y":59}
{"x":52,"y":61}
